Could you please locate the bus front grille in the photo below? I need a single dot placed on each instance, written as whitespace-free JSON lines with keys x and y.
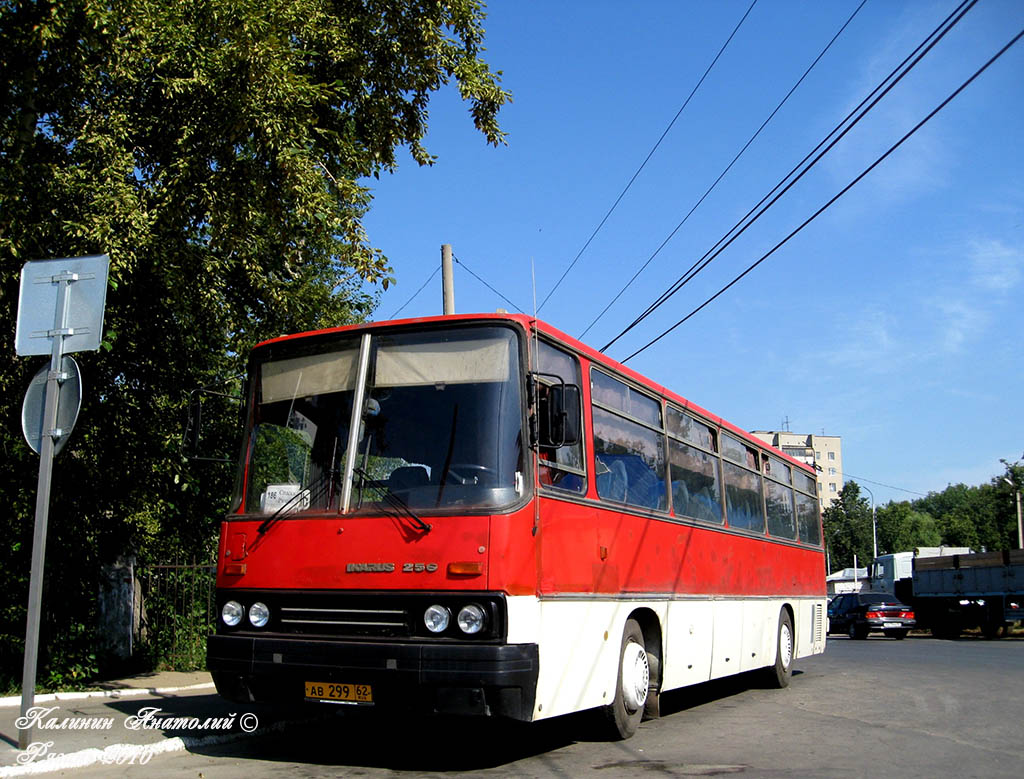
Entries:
{"x":304,"y":619}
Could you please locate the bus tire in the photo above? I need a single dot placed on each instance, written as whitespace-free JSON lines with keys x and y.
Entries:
{"x":993,"y":629}
{"x":623,"y":715}
{"x":785,"y":645}
{"x":652,"y":708}
{"x":945,"y":630}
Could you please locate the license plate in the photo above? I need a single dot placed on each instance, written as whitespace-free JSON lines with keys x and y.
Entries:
{"x":892,"y":625}
{"x":343,"y":693}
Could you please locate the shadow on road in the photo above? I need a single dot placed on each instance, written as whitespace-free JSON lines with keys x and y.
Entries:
{"x":401,"y":742}
{"x":405,"y":742}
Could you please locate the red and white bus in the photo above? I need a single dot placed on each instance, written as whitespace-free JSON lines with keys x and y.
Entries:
{"x":479,"y":514}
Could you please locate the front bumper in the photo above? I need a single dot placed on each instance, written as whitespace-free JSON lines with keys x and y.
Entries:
{"x":482,"y":679}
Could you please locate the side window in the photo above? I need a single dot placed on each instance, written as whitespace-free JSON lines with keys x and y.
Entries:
{"x":808,"y":521}
{"x":619,"y":396}
{"x":779,"y":498}
{"x":629,"y":455}
{"x":744,"y":504}
{"x":805,"y":483}
{"x":693,"y":468}
{"x":781,"y":517}
{"x":560,"y":467}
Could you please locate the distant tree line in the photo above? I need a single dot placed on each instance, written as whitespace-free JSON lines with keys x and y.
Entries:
{"x":982,"y":518}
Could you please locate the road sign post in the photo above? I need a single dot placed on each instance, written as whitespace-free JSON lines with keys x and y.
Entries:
{"x":71,"y":294}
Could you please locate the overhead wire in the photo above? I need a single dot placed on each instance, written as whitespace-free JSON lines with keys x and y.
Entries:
{"x":470,"y":272}
{"x":492,"y":289}
{"x":646,"y":159}
{"x":838,"y":195}
{"x":880,"y":484}
{"x":780,"y":189}
{"x":417,"y":292}
{"x":721,"y":175}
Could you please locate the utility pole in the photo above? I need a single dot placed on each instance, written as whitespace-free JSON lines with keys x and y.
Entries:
{"x":1020,"y":525}
{"x":874,"y":525}
{"x":447,"y":279}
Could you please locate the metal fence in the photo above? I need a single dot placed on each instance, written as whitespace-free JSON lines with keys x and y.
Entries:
{"x":175,"y":612}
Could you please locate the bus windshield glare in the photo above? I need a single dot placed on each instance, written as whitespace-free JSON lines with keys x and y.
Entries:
{"x":441,"y":428}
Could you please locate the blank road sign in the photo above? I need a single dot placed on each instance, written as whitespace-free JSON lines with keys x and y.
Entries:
{"x":38,"y":318}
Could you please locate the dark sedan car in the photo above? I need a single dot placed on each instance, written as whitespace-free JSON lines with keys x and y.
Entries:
{"x":859,"y":613}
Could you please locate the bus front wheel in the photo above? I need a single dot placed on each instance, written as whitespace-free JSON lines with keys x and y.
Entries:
{"x":623,"y":715}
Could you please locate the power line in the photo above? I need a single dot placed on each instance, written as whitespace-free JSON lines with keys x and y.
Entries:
{"x":646,"y":159}
{"x":492,"y":289}
{"x":417,"y":292}
{"x":722,"y":174}
{"x":880,"y":484}
{"x":879,"y":92}
{"x":842,"y":192}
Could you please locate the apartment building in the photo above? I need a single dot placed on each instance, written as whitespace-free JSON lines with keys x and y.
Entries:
{"x":825,"y":452}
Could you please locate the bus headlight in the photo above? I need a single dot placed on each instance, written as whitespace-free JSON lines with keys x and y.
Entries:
{"x":471,"y":619}
{"x":232,"y":613}
{"x":436,"y":618}
{"x":259,"y":615}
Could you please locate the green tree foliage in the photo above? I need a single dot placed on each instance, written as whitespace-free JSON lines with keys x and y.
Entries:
{"x":902,"y":529}
{"x":967,"y":516}
{"x":847,"y":524}
{"x":215,"y":150}
{"x":981,"y":517}
{"x":958,"y":529}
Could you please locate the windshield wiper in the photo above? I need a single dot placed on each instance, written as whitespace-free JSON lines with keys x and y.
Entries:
{"x":392,"y":500}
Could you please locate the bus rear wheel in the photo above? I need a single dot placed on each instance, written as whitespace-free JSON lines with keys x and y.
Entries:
{"x":782,"y":672}
{"x":623,"y":715}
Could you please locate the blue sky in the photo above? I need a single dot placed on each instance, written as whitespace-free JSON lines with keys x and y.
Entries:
{"x":893,"y":320}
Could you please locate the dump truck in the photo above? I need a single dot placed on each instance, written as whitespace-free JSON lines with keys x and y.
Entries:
{"x":953,"y":590}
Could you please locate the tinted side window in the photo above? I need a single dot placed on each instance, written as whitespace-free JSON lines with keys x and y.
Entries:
{"x":630,"y":462}
{"x":778,"y":470}
{"x":694,"y":478}
{"x":620,"y":396}
{"x":743,"y":503}
{"x":781,"y":519}
{"x":629,"y":456}
{"x":690,"y":430}
{"x":734,"y":449}
{"x":807,"y":519}
{"x":806,"y":483}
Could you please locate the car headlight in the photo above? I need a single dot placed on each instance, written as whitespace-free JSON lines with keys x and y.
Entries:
{"x":436,"y":618}
{"x":232,"y":613}
{"x":259,"y":615}
{"x":471,"y":619}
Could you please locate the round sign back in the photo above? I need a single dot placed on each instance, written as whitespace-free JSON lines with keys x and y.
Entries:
{"x":69,"y":401}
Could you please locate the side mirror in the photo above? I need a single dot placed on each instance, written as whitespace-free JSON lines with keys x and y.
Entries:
{"x":211,"y":417}
{"x":559,"y":415}
{"x":193,"y":424}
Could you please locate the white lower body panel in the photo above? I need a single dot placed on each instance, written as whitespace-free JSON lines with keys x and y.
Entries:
{"x":698,"y":638}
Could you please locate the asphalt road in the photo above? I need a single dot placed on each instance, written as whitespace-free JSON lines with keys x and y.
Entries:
{"x":915,"y":708}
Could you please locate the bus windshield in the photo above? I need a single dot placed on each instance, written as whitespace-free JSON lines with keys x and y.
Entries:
{"x":441,"y":427}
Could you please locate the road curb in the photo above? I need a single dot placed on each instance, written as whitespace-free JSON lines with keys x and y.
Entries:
{"x":121,"y":692}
